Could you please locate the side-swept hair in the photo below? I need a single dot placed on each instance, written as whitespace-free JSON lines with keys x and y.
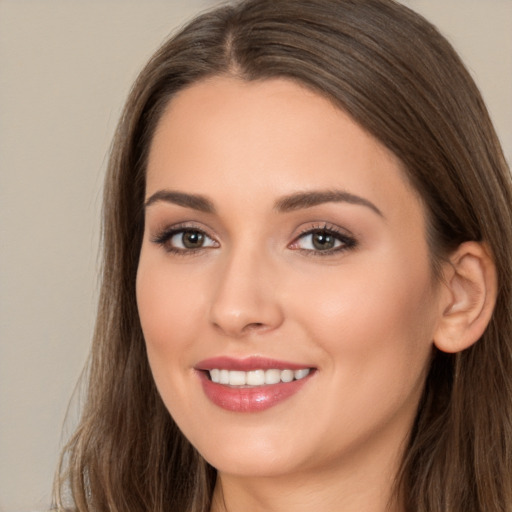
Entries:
{"x":401,"y":80}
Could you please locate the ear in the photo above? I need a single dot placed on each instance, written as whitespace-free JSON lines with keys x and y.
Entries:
{"x":471,"y":285}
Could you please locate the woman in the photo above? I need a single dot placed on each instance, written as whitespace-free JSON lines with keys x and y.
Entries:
{"x":306,"y":295}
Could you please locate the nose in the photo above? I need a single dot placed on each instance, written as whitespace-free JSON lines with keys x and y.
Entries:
{"x":245,"y":299}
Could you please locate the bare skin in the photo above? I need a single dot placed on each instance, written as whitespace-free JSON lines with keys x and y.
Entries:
{"x":342,"y":287}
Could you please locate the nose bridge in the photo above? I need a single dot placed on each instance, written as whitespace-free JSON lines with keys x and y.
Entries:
{"x":244,"y":299}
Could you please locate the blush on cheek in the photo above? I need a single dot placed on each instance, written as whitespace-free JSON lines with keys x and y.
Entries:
{"x":155,"y":311}
{"x":170,"y":310}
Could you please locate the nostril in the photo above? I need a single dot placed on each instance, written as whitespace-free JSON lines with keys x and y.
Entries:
{"x":254,"y":326}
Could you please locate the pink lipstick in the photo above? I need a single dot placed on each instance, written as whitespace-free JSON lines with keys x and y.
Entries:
{"x":252,"y":384}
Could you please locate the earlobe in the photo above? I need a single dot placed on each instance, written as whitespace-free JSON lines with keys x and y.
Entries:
{"x":471,"y":286}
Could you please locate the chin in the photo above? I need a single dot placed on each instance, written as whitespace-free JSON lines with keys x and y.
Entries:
{"x":254,"y":456}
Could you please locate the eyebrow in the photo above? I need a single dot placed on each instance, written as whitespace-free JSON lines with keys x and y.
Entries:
{"x":194,"y":201}
{"x":292,"y":202}
{"x":300,"y":200}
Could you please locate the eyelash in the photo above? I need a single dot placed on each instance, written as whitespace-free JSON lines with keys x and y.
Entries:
{"x":165,"y":236}
{"x":347,"y":242}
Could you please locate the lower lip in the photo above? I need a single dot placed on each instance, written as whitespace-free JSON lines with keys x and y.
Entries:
{"x":255,"y":399}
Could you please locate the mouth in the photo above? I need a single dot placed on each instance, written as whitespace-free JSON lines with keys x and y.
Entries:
{"x":255,"y":378}
{"x":251,"y":385}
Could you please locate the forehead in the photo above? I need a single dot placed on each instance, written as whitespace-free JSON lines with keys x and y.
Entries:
{"x":269,"y":138}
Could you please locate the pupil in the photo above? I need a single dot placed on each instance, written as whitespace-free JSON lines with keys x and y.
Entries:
{"x":192,"y":239}
{"x":323,"y":241}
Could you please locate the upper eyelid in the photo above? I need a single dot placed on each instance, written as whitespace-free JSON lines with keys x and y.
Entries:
{"x":181,"y":226}
{"x":169,"y":230}
{"x":163,"y":238}
{"x":344,"y":239}
{"x":326,"y":226}
{"x":347,"y":239}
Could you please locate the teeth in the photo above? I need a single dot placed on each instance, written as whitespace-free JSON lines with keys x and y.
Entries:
{"x":272,"y":376}
{"x":224,"y":377}
{"x":256,"y":377}
{"x":287,"y":375}
{"x":300,"y":374}
{"x":237,"y":378}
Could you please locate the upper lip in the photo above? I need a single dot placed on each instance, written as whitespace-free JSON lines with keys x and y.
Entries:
{"x":247,"y":364}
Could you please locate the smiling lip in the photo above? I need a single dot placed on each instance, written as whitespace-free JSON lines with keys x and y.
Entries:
{"x":249,"y":398}
{"x":247,"y":364}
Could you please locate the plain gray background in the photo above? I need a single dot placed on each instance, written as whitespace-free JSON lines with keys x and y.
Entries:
{"x":65,"y":70}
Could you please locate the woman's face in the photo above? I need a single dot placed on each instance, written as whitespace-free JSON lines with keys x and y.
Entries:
{"x":282,"y":242}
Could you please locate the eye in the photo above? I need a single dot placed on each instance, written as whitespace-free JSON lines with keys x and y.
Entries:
{"x":190,"y":239}
{"x":181,"y":240}
{"x":325,"y":240}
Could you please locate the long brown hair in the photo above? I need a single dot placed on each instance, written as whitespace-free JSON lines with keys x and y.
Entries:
{"x":401,"y":80}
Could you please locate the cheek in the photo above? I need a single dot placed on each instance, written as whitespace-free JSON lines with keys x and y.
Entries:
{"x":168,"y":305}
{"x":380,"y":314}
{"x":169,"y":308}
